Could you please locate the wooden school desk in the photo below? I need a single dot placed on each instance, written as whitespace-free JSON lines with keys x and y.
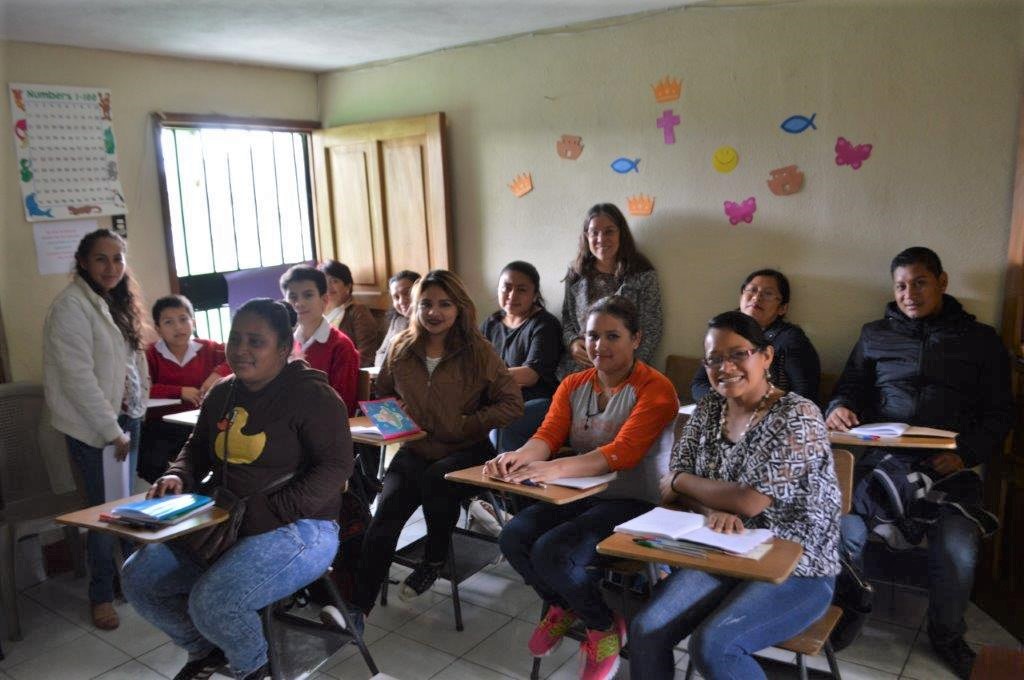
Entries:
{"x":377,"y":440}
{"x":550,"y":493}
{"x":89,"y":518}
{"x":774,"y":567}
{"x":905,"y":442}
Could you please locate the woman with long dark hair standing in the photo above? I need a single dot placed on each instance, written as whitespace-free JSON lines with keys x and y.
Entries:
{"x":96,"y":381}
{"x":608,"y":263}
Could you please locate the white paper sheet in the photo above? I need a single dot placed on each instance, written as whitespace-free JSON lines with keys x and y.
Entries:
{"x":117,"y":477}
{"x":56,"y":243}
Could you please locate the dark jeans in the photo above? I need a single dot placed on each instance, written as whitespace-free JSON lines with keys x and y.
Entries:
{"x":953,"y":545}
{"x":552,"y":546}
{"x":522,"y":428}
{"x":100,"y":546}
{"x":729,"y":620}
{"x":412,"y":481}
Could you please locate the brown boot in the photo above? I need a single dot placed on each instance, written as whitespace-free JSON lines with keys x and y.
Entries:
{"x":104,"y":616}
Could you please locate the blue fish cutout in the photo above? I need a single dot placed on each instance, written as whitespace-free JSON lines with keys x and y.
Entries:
{"x":33,"y":208}
{"x":794,"y":125}
{"x":624,"y":165}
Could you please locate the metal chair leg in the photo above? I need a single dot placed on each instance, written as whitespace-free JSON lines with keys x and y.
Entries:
{"x":689,"y":669}
{"x":801,"y":666}
{"x":8,"y":589}
{"x":833,"y":665}
{"x":455,"y":586}
{"x":350,"y":626}
{"x":267,"y":614}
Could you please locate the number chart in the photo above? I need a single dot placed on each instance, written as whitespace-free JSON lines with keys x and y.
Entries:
{"x":66,"y":153}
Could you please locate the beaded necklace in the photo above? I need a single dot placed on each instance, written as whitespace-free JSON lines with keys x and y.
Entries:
{"x":753,"y":416}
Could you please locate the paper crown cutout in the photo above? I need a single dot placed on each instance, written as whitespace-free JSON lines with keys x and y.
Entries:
{"x":522,"y":184}
{"x":641,"y":205}
{"x":569,"y":147}
{"x":667,"y":89}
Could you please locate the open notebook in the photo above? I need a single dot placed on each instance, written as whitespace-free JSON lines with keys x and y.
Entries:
{"x":676,"y":525}
{"x":898,"y":430}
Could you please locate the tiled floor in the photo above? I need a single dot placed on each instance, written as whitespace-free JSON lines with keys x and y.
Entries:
{"x":416,"y":641}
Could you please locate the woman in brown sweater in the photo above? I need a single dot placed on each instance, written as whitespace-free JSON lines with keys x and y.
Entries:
{"x":457,"y":389}
{"x":350,"y":317}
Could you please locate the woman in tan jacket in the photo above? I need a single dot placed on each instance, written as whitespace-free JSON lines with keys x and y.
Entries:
{"x":457,"y":389}
{"x":350,"y":317}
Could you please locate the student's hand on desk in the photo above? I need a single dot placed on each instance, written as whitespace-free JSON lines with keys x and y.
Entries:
{"x":579,"y":353}
{"x":725,"y":523}
{"x":842,"y":419}
{"x":503,"y":464}
{"x":165,"y":485}
{"x":946,"y":463}
{"x":207,"y":385}
{"x":191,"y":395}
{"x":536,"y":471}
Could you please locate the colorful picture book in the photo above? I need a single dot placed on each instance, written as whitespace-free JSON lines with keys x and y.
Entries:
{"x":389,"y":418}
{"x":159,"y":512}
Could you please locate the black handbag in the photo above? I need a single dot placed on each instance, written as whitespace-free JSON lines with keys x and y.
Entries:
{"x":855,"y":595}
{"x":207,"y":545}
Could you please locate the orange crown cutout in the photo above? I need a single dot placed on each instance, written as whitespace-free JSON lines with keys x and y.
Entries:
{"x":667,"y":89}
{"x":522,"y":184}
{"x":640,"y":205}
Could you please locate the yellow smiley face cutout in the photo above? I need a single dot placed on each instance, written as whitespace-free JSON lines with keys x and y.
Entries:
{"x":725,"y":159}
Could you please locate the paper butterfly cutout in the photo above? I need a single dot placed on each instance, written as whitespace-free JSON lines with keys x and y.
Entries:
{"x":737,"y":212}
{"x":848,"y":154}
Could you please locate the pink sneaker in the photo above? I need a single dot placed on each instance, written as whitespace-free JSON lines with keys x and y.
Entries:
{"x":549,"y":632}
{"x":600,"y":652}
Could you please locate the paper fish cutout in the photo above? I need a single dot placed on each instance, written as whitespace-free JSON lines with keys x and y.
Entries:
{"x":108,"y":140}
{"x":522,"y":184}
{"x":26,"y":170}
{"x":623,"y":165}
{"x":569,"y":147}
{"x":741,"y":212}
{"x":785,"y":181}
{"x":725,"y":159}
{"x":668,"y":123}
{"x":848,"y":154}
{"x":33,"y":208}
{"x":19,"y":101}
{"x":794,"y":125}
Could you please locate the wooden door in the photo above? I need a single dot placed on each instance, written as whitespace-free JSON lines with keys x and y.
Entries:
{"x":381,"y":200}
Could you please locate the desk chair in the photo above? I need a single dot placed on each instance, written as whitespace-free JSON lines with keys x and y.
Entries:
{"x":680,"y":369}
{"x":815,"y":637}
{"x":293,"y":640}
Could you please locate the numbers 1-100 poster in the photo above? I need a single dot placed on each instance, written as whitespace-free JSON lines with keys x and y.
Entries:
{"x":66,"y":155}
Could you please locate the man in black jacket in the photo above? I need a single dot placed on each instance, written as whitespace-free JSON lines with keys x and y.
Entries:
{"x":930,"y":363}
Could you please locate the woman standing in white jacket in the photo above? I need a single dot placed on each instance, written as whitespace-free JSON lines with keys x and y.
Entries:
{"x":96,"y":380}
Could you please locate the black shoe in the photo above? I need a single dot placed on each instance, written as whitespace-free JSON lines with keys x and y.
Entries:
{"x":956,"y":654}
{"x":200,"y":669}
{"x":332,"y":617}
{"x":420,"y":580}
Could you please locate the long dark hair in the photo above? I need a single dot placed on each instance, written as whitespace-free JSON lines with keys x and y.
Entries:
{"x":275,"y":313}
{"x":125,"y":299}
{"x":742,"y":325}
{"x":630,"y":260}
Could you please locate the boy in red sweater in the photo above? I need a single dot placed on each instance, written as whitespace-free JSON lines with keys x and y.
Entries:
{"x":180,"y":367}
{"x":322,"y":345}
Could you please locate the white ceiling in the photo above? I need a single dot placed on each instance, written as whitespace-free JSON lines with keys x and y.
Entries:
{"x":312,"y":35}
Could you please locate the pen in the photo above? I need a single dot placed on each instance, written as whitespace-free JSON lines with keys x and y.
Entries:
{"x":867,"y":437}
{"x":530,"y":482}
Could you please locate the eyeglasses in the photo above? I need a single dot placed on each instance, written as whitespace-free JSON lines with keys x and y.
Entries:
{"x":606,"y":232}
{"x":765,"y":294}
{"x":735,"y":358}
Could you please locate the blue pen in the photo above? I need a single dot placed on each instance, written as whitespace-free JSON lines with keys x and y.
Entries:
{"x":867,"y":437}
{"x":530,"y":482}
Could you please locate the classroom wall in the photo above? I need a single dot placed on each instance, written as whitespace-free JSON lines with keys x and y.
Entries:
{"x":140,"y":85}
{"x":934,"y":86}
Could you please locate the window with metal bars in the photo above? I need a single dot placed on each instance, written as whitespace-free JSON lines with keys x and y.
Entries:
{"x":236,"y":196}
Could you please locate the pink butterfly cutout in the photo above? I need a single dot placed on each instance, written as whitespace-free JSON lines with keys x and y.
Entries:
{"x":737,"y":212}
{"x":848,"y":154}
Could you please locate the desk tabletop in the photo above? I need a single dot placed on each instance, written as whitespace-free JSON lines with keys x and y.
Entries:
{"x":90,"y":519}
{"x":189,"y":418}
{"x":556,"y":495}
{"x":904,"y":442}
{"x":775,"y":567}
{"x":377,"y":440}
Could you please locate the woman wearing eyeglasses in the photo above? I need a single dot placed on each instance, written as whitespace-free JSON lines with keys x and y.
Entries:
{"x":752,"y":456}
{"x":764,"y":296}
{"x":608,"y":263}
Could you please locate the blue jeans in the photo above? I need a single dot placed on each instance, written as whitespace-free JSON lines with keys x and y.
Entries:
{"x":100,"y":546}
{"x":520,"y":430}
{"x":953,"y":545}
{"x":201,"y":608}
{"x":728,"y":620}
{"x":552,"y":546}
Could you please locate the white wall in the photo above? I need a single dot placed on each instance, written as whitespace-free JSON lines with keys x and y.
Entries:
{"x":933,"y":86}
{"x":140,"y":85}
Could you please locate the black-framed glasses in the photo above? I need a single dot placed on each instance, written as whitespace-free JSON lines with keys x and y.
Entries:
{"x":764,"y":293}
{"x":735,"y":358}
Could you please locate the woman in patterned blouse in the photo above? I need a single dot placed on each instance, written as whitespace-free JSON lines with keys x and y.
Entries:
{"x":751,"y":456}
{"x":608,"y":263}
